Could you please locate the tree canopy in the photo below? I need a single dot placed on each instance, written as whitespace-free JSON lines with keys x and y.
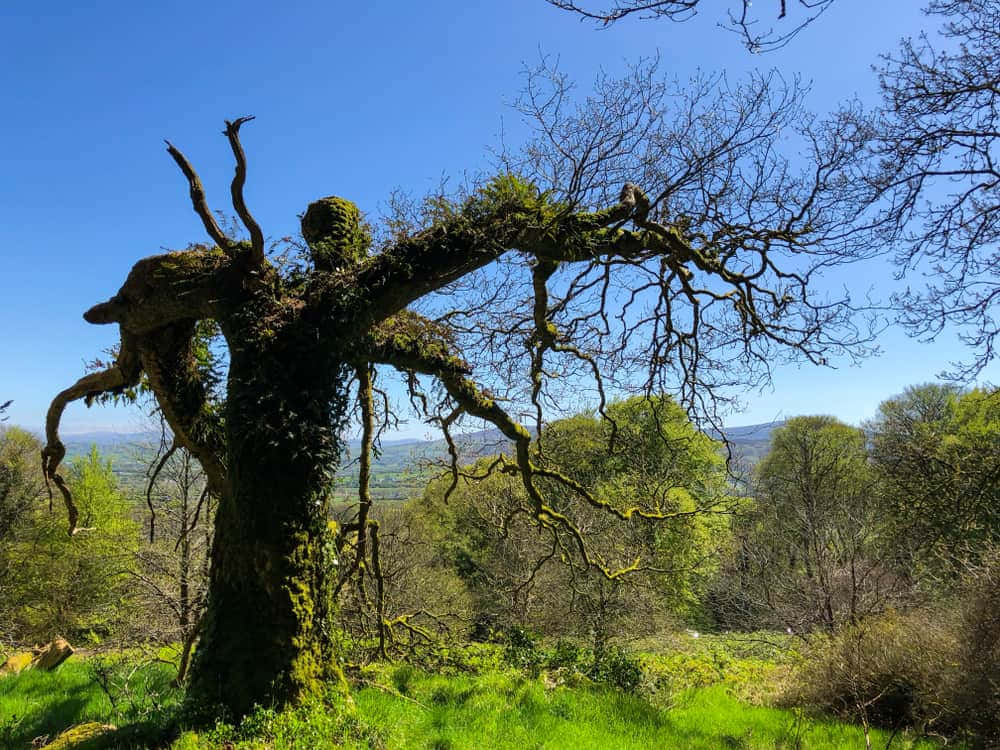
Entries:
{"x":938,"y":451}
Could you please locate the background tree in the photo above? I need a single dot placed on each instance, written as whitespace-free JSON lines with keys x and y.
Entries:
{"x":58,"y":585}
{"x":21,"y":491}
{"x":935,"y":147}
{"x":172,"y":563}
{"x":519,"y":577}
{"x":809,"y":549}
{"x":937,"y":451}
{"x":755,"y":33}
{"x":700,"y":283}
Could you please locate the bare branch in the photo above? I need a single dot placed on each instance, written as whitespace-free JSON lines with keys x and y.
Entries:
{"x":742,"y":21}
{"x":152,"y":481}
{"x":232,"y":132}
{"x":198,"y":199}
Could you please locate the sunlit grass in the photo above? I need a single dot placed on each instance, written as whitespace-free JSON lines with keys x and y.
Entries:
{"x":36,"y":704}
{"x":510,"y":711}
{"x":403,"y":708}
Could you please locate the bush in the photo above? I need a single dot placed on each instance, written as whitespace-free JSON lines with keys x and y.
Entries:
{"x":931,"y":669}
{"x":891,"y":671}
{"x":614,"y":666}
{"x":977,"y":691}
{"x":617,"y":668}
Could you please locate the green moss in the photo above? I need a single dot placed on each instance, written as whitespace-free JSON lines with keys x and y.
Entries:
{"x":17,"y":663}
{"x":86,"y":736}
{"x":336,"y":236}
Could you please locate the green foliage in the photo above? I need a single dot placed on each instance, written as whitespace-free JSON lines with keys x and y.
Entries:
{"x":613,"y":666}
{"x":21,"y":489}
{"x":20,"y":480}
{"x":319,"y":721}
{"x":643,"y":457}
{"x":937,"y":451}
{"x":515,"y":193}
{"x":73,"y":586}
{"x":617,"y":668}
{"x":810,"y":550}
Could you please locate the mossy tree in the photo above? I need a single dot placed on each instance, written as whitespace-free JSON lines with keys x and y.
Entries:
{"x":697,"y":269}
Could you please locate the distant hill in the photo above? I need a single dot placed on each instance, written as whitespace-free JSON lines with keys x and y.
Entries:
{"x":749,"y":442}
{"x":402,"y":467}
{"x":110,"y":438}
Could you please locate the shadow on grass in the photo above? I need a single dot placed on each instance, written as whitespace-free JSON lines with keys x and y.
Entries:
{"x":35,"y":705}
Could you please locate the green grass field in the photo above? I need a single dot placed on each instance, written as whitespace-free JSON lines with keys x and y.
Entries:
{"x":506,"y":710}
{"x":401,"y":707}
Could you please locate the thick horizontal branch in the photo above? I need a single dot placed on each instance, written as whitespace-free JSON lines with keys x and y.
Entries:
{"x":480,"y":233}
{"x":187,"y":285}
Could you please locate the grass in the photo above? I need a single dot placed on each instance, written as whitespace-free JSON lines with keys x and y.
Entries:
{"x":38,"y":704}
{"x":506,"y":710}
{"x":403,"y":707}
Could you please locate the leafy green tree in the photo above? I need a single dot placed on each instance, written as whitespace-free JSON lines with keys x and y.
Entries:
{"x":937,"y":451}
{"x":809,"y":549}
{"x":74,"y":585}
{"x":658,"y":464}
{"x":21,"y":483}
{"x":21,"y":491}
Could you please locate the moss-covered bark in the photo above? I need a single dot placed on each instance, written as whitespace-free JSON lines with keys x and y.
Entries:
{"x":266,"y":636}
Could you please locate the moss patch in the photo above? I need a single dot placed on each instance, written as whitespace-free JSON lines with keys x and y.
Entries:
{"x":88,"y":736}
{"x":336,"y":236}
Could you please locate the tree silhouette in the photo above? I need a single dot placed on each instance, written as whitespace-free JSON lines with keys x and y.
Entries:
{"x":934,"y":144}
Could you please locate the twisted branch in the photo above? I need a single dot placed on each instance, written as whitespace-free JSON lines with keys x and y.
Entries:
{"x":232,"y":132}
{"x":123,"y":374}
{"x":198,"y":199}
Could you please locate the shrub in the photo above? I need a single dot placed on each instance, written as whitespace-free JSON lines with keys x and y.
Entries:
{"x":977,"y":689}
{"x":890,"y":671}
{"x":617,"y":668}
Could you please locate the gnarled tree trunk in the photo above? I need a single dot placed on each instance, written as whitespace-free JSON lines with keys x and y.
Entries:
{"x":266,"y":636}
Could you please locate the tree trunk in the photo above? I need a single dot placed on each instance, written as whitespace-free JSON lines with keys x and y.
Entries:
{"x":266,"y":635}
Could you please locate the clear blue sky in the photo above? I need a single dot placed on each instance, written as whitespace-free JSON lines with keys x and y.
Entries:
{"x":351,"y":99}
